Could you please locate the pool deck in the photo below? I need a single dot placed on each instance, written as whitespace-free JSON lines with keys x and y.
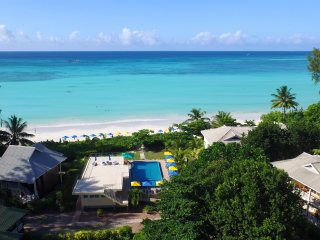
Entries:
{"x":164,"y":170}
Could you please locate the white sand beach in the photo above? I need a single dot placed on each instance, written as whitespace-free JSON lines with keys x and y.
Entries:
{"x":55,"y":132}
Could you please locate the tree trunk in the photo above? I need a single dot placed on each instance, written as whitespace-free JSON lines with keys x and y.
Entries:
{"x":284,"y":113}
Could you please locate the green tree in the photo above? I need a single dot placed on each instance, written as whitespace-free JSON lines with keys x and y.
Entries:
{"x":134,"y":196}
{"x":284,"y":99}
{"x":312,"y":114}
{"x":314,"y":65}
{"x":223,"y":118}
{"x":141,"y":136}
{"x":249,"y":123}
{"x":16,"y":134}
{"x":196,"y":115}
{"x":270,"y":137}
{"x":195,"y":127}
{"x":230,"y":192}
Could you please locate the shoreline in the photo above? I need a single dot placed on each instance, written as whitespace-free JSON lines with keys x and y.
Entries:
{"x":56,"y":132}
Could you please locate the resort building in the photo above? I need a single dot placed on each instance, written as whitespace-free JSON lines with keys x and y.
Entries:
{"x":106,"y":180}
{"x":11,"y":222}
{"x":224,"y":134}
{"x":30,"y":172}
{"x":304,"y":172}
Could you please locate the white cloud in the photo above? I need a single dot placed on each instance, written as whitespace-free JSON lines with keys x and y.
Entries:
{"x":52,"y":39}
{"x":22,"y":34}
{"x":204,"y":38}
{"x":233,"y":39}
{"x":127,"y":37}
{"x":73,"y":35}
{"x":5,"y":34}
{"x":39,"y":36}
{"x":207,"y":38}
{"x":301,"y":38}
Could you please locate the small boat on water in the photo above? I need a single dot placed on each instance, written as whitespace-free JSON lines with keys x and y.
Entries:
{"x":77,"y":60}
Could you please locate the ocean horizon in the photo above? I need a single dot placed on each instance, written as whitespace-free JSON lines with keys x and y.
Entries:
{"x":51,"y":88}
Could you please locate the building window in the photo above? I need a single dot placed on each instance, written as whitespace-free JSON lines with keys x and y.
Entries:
{"x":85,"y":196}
{"x":91,"y":196}
{"x":103,"y":196}
{"x":96,"y":196}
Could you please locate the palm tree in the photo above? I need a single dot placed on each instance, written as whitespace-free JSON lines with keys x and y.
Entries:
{"x":284,"y":99}
{"x":223,"y":118}
{"x":134,"y":196}
{"x":16,"y":133}
{"x":196,"y":115}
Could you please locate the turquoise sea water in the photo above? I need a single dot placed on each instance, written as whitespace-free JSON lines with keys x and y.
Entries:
{"x":44,"y":88}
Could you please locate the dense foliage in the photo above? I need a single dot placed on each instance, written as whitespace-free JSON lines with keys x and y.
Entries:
{"x":224,"y":118}
{"x":284,"y":142}
{"x":229,"y":192}
{"x":124,"y":233}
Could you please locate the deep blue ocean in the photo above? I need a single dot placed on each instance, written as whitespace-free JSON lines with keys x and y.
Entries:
{"x":46,"y":88}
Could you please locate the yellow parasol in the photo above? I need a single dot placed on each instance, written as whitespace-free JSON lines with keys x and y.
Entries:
{"x":173,"y":168}
{"x":167,"y":153}
{"x":171,"y":160}
{"x":118,"y":133}
{"x":159,"y":183}
{"x":126,"y":133}
{"x":166,"y":130}
{"x":135,"y":184}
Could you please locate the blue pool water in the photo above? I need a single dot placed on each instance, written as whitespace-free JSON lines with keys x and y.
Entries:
{"x":146,"y":171}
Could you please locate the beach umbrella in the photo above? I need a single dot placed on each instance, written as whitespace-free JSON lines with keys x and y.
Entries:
{"x":166,"y":130}
{"x":65,"y":137}
{"x":109,"y":134}
{"x":169,"y":157}
{"x":169,"y":164}
{"x":173,"y":129}
{"x":127,"y":155}
{"x":126,"y":133}
{"x":93,"y":135}
{"x":146,"y":184}
{"x":74,"y":136}
{"x":170,"y":160}
{"x":118,"y":133}
{"x":135,"y":184}
{"x":100,"y":135}
{"x":173,"y":172}
{"x":167,"y":153}
{"x":159,"y":183}
{"x":173,"y":168}
{"x":83,"y":135}
{"x":160,"y":131}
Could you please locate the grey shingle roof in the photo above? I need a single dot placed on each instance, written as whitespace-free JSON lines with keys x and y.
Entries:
{"x":304,"y":168}
{"x":225,"y":134}
{"x":25,"y":164}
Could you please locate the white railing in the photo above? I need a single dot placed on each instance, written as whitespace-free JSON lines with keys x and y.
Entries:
{"x":313,"y":201}
{"x":24,"y":190}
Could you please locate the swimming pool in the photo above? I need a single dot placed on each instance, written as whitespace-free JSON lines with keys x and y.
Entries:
{"x":146,"y":171}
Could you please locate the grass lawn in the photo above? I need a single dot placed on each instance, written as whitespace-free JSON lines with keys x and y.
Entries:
{"x":136,"y":156}
{"x":150,"y":155}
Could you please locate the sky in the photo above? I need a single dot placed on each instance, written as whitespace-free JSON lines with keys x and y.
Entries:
{"x":159,"y":25}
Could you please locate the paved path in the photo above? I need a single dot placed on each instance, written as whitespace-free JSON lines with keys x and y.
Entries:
{"x":142,"y":156}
